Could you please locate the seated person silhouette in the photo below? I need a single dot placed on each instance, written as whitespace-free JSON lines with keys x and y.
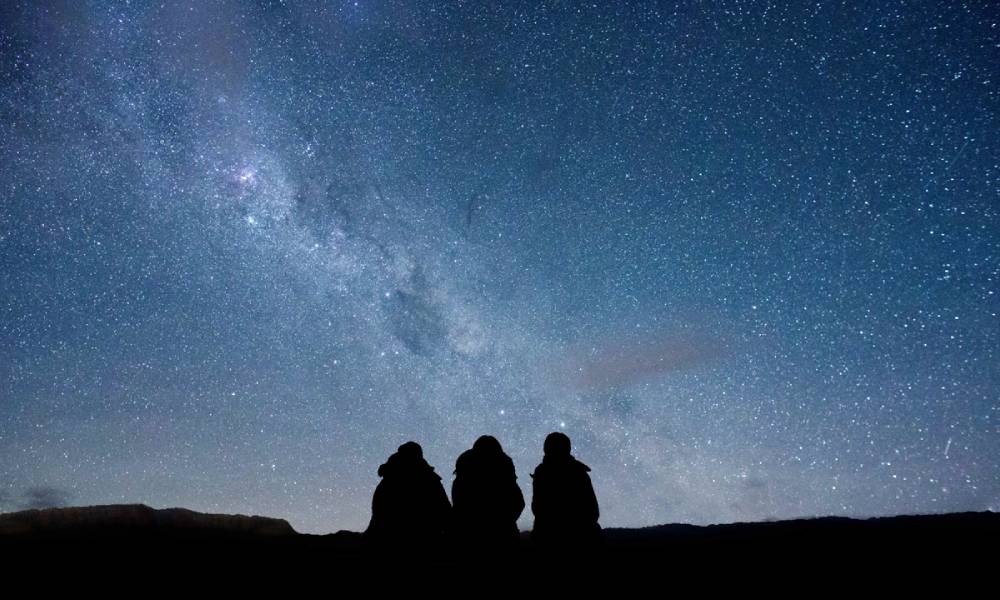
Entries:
{"x":487,"y":500}
{"x":563,"y":499}
{"x":410,"y":506}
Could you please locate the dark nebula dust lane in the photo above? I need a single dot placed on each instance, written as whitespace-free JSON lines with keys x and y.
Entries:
{"x":746,"y":255}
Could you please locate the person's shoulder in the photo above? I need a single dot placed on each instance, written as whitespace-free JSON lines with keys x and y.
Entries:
{"x":507,"y":465}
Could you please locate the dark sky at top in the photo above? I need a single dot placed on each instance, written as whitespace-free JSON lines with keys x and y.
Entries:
{"x":745,"y":254}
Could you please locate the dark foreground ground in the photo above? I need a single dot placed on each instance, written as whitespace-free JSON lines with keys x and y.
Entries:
{"x":135,"y":543}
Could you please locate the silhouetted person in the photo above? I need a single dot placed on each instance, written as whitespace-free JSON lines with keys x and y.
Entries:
{"x":487,"y":500}
{"x":563,"y":499}
{"x":410,"y":506}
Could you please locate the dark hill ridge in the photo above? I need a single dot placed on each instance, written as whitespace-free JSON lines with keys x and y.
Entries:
{"x":142,"y":518}
{"x":912,"y":531}
{"x":144,"y":539}
{"x":139,"y":519}
{"x":136,"y":519}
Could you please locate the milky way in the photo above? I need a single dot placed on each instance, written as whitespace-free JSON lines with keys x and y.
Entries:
{"x":746,"y":255}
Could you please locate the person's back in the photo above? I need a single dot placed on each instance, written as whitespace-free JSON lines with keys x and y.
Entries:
{"x":563,"y":499}
{"x":410,"y":505}
{"x":487,"y":500}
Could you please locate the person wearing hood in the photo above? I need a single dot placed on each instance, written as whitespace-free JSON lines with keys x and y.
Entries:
{"x":563,"y":499}
{"x":487,"y":500}
{"x":410,"y":505}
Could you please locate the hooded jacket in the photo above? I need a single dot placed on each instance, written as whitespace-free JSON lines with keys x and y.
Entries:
{"x":563,"y":501}
{"x":410,"y":503}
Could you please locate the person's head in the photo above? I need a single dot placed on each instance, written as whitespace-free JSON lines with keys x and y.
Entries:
{"x":405,"y":458}
{"x":557,"y":444}
{"x":487,"y":444}
{"x":410,"y":451}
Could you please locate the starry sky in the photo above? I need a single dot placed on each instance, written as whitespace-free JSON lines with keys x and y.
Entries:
{"x":745,"y":254}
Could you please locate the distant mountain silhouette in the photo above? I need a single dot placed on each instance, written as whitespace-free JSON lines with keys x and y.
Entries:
{"x":912,"y":531}
{"x":136,"y":519}
{"x":140,"y":541}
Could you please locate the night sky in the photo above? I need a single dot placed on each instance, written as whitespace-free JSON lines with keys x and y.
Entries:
{"x":745,"y":254}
